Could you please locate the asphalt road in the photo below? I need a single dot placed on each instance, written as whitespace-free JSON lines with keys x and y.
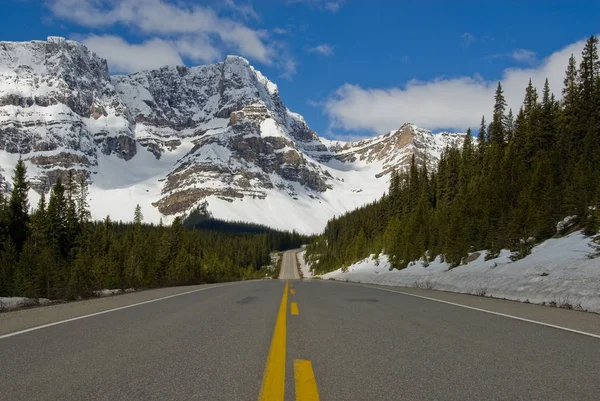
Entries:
{"x":354,"y":343}
{"x":289,"y":267}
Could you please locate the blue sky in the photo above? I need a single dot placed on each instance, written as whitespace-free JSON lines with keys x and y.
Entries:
{"x":351,"y":67}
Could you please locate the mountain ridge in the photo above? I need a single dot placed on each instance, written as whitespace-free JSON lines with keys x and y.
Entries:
{"x":173,"y":137}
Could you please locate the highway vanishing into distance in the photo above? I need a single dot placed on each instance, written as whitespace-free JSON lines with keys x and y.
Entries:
{"x":298,"y":340}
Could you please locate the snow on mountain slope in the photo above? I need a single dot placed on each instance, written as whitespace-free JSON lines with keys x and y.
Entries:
{"x":168,"y":139}
{"x":59,"y":108}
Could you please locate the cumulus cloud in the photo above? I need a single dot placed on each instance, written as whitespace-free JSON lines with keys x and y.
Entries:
{"x":197,"y":48}
{"x":182,"y":26}
{"x":124,"y":57}
{"x":324,"y":49}
{"x":441,"y":103}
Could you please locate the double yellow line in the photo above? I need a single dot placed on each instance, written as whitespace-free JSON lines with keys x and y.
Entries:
{"x":273,"y":384}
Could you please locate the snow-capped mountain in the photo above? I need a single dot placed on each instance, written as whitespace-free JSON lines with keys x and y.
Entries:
{"x":170,"y":138}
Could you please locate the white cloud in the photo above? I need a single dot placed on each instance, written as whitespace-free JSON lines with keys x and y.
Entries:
{"x":288,"y":66}
{"x":519,"y":55}
{"x":331,"y":5}
{"x":324,"y":49}
{"x":467,"y":39}
{"x":245,"y":10}
{"x":524,"y":56}
{"x":198,"y":48}
{"x":123,"y":57}
{"x":441,"y":103}
{"x":183,"y":26}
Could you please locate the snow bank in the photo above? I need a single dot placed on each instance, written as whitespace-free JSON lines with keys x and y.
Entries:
{"x":8,"y":303}
{"x":306,"y":273}
{"x":558,"y":271}
{"x":106,"y":292}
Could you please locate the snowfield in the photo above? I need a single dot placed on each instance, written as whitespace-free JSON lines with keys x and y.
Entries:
{"x":558,"y":272}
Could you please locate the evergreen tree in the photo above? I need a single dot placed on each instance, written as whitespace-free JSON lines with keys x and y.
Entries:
{"x":58,"y":227}
{"x":589,"y":70}
{"x":8,"y":261}
{"x":18,"y":207}
{"x":138,"y":217}
{"x":481,"y":138}
{"x":509,"y":125}
{"x":497,"y":129}
{"x":83,"y":212}
{"x":73,"y":227}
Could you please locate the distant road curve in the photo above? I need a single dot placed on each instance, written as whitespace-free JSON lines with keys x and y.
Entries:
{"x":289,"y":267}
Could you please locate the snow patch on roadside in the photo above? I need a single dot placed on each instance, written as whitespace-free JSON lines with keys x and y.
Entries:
{"x":306,"y":273}
{"x":10,"y":303}
{"x":109,"y":292}
{"x":558,"y":272}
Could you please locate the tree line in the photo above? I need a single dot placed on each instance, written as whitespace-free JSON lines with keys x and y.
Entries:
{"x":505,"y":190}
{"x":56,"y":252}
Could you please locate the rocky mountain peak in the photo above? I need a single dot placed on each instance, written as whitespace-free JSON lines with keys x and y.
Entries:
{"x":171,"y":138}
{"x":394,"y":149}
{"x":59,"y":108}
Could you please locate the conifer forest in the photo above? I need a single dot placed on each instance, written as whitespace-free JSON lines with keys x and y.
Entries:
{"x":506,"y":188}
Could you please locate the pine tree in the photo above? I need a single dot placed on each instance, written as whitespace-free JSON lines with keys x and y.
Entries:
{"x":509,"y":125}
{"x":8,"y":261}
{"x":468,"y":150}
{"x":531,"y":99}
{"x":18,"y":207}
{"x":39,"y":222}
{"x":481,"y":138}
{"x":138,"y":217}
{"x":25,"y":272}
{"x":589,"y":70}
{"x":73,"y":226}
{"x":569,"y":136}
{"x":497,"y":127}
{"x":570,"y":105}
{"x":83,"y":212}
{"x":58,"y":234}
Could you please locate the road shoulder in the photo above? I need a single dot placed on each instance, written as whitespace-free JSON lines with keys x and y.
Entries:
{"x":569,"y":319}
{"x":23,"y":319}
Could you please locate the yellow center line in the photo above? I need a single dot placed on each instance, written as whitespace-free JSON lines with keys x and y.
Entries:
{"x":306,"y":385}
{"x":292,"y":292}
{"x":273,"y":384}
{"x":294,"y":308}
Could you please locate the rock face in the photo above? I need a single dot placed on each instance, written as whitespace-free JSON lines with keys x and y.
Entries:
{"x":396,"y":148}
{"x":56,"y":98}
{"x":172,"y":137}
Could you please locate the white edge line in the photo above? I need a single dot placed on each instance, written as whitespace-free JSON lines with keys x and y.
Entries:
{"x":16,"y":333}
{"x":584,"y":333}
